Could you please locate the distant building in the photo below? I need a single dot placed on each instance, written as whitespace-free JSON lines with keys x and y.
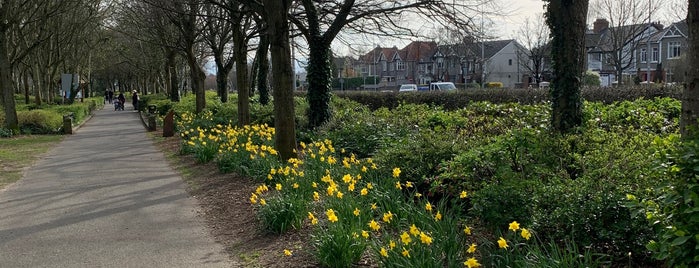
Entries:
{"x":423,"y":62}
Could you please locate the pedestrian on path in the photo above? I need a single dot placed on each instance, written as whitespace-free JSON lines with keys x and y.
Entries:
{"x":134,"y":100}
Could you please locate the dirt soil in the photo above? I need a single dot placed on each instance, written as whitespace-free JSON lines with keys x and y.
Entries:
{"x":224,"y":199}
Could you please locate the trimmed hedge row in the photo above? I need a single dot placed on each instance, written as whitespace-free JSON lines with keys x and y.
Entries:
{"x":461,"y":98}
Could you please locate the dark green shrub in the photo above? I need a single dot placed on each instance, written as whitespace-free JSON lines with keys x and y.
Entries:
{"x":39,"y":122}
{"x":671,"y":209}
{"x":418,"y":155}
{"x":508,"y":200}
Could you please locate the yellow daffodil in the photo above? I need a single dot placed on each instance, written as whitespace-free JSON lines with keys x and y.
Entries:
{"x":365,"y":234}
{"x":463,"y":195}
{"x":502,"y":243}
{"x":467,"y":230}
{"x":425,"y":239}
{"x":514,"y":226}
{"x":384,"y":253}
{"x":414,"y":230}
{"x":331,"y":215}
{"x":392,"y":244}
{"x":263,"y":202}
{"x":374,"y":225}
{"x":428,"y":206}
{"x":471,"y":248}
{"x":364,"y":191}
{"x":287,"y":252}
{"x":396,"y":172}
{"x":526,"y":234}
{"x":387,"y":216}
{"x":406,"y":253}
{"x":373,"y":206}
{"x":279,"y":186}
{"x":356,"y":212}
{"x":398,"y":186}
{"x":438,"y":216}
{"x":405,"y":238}
{"x":472,"y":263}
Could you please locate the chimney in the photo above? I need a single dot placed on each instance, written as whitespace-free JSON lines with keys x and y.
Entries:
{"x":599,"y":25}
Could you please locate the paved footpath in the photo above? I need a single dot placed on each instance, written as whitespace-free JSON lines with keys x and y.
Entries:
{"x":104,"y":197}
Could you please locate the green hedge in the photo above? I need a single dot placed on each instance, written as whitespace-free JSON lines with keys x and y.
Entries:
{"x":462,"y":97}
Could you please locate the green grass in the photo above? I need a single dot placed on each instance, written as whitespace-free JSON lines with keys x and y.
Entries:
{"x":16,"y":153}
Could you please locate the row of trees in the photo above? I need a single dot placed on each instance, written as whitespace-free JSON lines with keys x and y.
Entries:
{"x":149,"y":44}
{"x":39,"y":39}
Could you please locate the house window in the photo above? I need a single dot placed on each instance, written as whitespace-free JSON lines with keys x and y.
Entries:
{"x":654,"y":55}
{"x":673,"y":50}
{"x":400,"y":65}
{"x":644,"y":55}
{"x":440,"y":63}
{"x":384,"y":66}
{"x":509,"y":62}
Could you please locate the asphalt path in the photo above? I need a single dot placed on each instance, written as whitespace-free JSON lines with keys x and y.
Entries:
{"x":104,"y":197}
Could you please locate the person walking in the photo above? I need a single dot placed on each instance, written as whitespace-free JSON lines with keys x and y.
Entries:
{"x":134,"y":100}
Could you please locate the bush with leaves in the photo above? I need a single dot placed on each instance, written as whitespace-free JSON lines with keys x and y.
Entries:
{"x":671,"y":208}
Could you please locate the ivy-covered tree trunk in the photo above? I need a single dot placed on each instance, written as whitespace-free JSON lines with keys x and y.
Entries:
{"x":567,"y":21}
{"x":689,"y":126}
{"x":319,"y":80}
{"x":284,"y":116}
{"x":263,"y":70}
{"x":319,"y":75}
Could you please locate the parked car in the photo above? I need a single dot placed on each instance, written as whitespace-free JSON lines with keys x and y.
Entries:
{"x":407,"y":87}
{"x":442,"y":86}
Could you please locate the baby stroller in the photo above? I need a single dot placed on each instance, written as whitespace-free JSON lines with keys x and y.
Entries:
{"x":118,"y":105}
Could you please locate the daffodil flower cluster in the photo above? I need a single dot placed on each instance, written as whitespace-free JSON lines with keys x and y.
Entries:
{"x":348,"y":202}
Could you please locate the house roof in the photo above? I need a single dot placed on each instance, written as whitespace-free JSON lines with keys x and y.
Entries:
{"x":601,"y":41}
{"x":680,"y":28}
{"x":488,"y":49}
{"x":418,"y":51}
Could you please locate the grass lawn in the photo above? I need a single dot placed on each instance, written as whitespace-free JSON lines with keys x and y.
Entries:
{"x":17,"y":153}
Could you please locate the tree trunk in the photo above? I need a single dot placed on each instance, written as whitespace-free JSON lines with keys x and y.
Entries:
{"x":172,"y":75}
{"x":241,"y":75}
{"x":319,"y":81}
{"x":198,"y":76}
{"x":25,"y":84}
{"x":567,"y":21}
{"x":6,"y":88}
{"x":262,"y":70}
{"x":689,"y":126}
{"x":278,"y":32}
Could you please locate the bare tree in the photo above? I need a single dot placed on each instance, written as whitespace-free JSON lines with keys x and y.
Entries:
{"x":628,"y":23}
{"x":677,"y":10}
{"x":320,"y":22}
{"x":22,"y":31}
{"x":534,"y":35}
{"x":218,"y":36}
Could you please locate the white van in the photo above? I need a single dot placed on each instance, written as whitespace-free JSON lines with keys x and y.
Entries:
{"x":407,"y":87}
{"x":445,"y":86}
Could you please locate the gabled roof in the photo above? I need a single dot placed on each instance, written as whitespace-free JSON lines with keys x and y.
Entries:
{"x":418,"y":51}
{"x":676,"y":29}
{"x":375,"y":54}
{"x":602,"y":40}
{"x":470,"y":50}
